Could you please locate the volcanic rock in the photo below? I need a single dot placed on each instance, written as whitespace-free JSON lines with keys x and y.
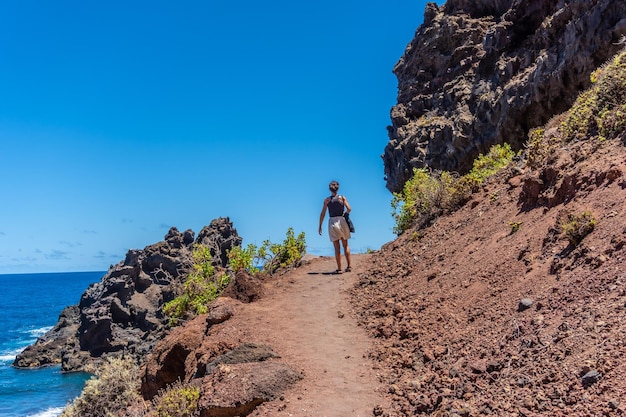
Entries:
{"x":236,"y":390}
{"x":480,"y":73}
{"x":123,"y":312}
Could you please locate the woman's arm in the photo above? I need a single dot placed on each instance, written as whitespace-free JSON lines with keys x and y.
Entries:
{"x":323,"y":214}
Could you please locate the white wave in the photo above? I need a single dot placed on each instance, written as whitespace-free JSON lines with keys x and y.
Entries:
{"x":7,"y":358}
{"x":9,"y":355}
{"x":50,"y":412}
{"x":39,"y":332}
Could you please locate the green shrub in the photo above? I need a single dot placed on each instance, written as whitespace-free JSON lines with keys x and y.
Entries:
{"x":543,"y":142}
{"x":270,"y":256}
{"x":177,"y":400}
{"x":601,"y":110}
{"x":201,"y":287}
{"x":427,"y":195}
{"x":579,"y":121}
{"x":412,"y":200}
{"x":611,"y":121}
{"x":245,"y":259}
{"x":576,"y":227}
{"x":536,"y":149}
{"x":485,"y":166}
{"x":424,"y":197}
{"x":115,"y":386}
{"x":286,"y":255}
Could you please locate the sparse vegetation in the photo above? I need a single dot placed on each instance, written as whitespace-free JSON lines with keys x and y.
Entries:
{"x":115,"y":386}
{"x":515,"y":226}
{"x":429,"y":120}
{"x":177,"y":400}
{"x":202,"y":286}
{"x":422,"y":198}
{"x":601,"y":110}
{"x":537,"y":148}
{"x":544,"y":141}
{"x":270,"y":256}
{"x":285,"y":255}
{"x":597,"y":112}
{"x":577,"y":226}
{"x":427,"y":195}
{"x":487,"y":165}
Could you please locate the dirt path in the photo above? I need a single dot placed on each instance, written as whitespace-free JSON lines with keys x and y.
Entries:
{"x":306,"y":317}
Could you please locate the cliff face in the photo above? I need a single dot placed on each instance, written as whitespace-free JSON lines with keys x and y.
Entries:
{"x":123,"y":312}
{"x":480,"y":73}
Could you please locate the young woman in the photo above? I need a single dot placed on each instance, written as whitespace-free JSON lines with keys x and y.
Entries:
{"x":338,"y":229}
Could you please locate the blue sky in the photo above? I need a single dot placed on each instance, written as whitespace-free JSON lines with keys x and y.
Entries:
{"x":120,"y":119}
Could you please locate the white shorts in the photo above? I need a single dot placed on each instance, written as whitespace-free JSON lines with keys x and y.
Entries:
{"x":338,"y":228}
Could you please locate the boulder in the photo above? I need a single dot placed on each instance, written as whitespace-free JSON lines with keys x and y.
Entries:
{"x":237,"y":389}
{"x":184,"y":353}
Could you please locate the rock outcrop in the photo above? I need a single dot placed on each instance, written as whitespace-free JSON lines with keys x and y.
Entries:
{"x":480,"y":73}
{"x":234,"y":377}
{"x":123,"y":312}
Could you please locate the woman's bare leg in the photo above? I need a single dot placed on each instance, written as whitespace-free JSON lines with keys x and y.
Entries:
{"x":337,"y":254}
{"x":346,"y":251}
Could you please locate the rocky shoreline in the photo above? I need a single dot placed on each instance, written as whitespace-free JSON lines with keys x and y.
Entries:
{"x":123,"y":312}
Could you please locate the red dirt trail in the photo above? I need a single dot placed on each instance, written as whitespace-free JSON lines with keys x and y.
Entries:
{"x":306,"y":317}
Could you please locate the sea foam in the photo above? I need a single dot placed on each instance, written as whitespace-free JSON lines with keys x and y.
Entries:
{"x":39,"y":331}
{"x":50,"y":412}
{"x":9,"y":355}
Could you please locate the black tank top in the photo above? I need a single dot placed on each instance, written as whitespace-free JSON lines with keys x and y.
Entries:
{"x":335,"y":206}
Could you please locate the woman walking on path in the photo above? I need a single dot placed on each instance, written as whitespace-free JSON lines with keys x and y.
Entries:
{"x":338,"y":229}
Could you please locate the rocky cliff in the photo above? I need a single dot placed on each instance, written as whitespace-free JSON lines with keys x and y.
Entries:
{"x":123,"y":312}
{"x":480,"y":73}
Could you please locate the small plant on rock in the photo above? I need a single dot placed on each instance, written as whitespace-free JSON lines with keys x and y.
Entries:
{"x":177,"y":400}
{"x":515,"y":226}
{"x":577,"y":226}
{"x":202,"y":286}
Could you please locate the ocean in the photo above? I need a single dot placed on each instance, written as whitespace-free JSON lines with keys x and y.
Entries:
{"x":30,"y":305}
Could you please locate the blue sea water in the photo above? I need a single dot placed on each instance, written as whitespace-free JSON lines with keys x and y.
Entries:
{"x":30,"y":304}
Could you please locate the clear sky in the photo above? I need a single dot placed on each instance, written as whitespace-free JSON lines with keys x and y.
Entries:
{"x":120,"y":119}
